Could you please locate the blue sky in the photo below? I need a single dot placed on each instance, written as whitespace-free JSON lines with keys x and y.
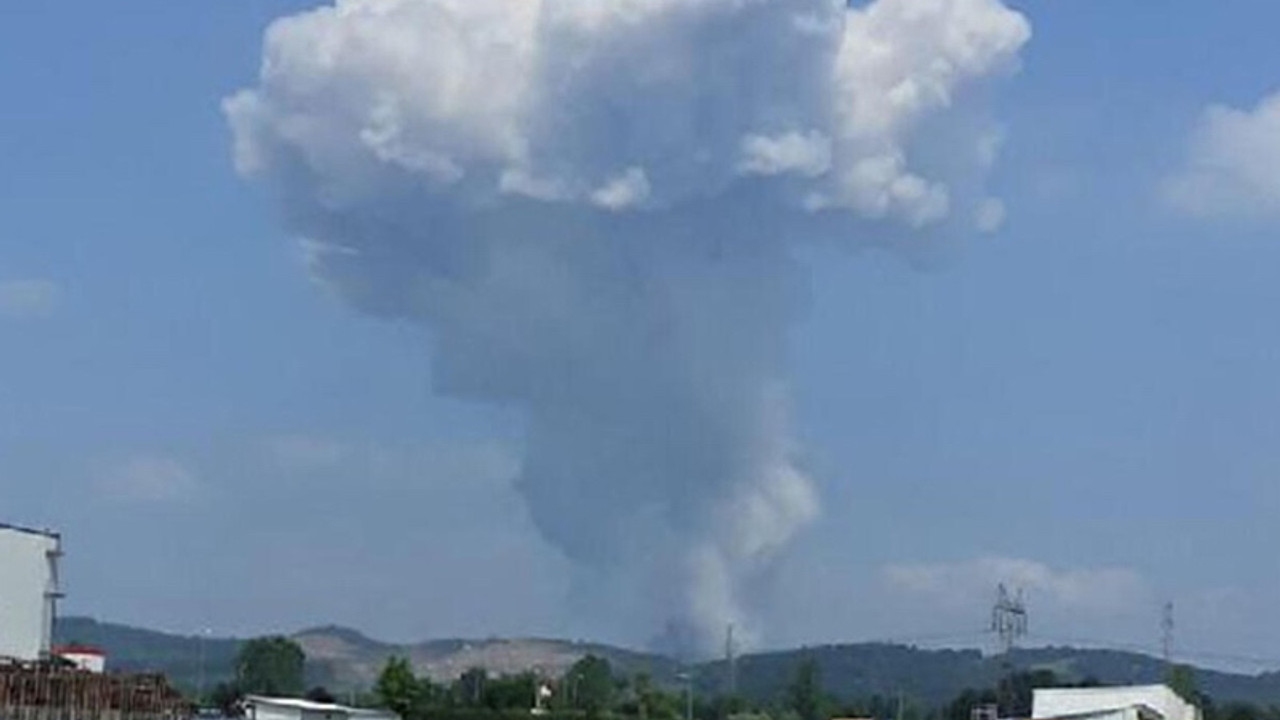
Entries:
{"x":1083,"y":402}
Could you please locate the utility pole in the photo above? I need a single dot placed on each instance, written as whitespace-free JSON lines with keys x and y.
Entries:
{"x":730,"y":663}
{"x":1166,"y":635}
{"x":204,"y":636}
{"x":687,"y":676}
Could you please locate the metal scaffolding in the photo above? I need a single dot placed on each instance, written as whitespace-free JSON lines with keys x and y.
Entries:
{"x":46,"y":691}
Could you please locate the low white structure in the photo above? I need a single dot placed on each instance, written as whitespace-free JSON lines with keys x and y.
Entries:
{"x":28,"y":591}
{"x":84,"y":657}
{"x":1134,"y":702}
{"x":257,"y":707}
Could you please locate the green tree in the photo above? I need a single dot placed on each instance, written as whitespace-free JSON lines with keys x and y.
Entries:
{"x":1014,"y":694}
{"x":1018,"y":690}
{"x":320,"y":694}
{"x":642,"y":687}
{"x":511,"y":692}
{"x":397,"y":688}
{"x":270,"y":666}
{"x":1182,"y":680}
{"x":592,"y":685}
{"x":226,"y":697}
{"x":961,"y":708}
{"x":430,"y":697}
{"x":1240,"y":711}
{"x":804,"y":694}
{"x":651,"y":702}
{"x":470,"y":687}
{"x":728,"y":706}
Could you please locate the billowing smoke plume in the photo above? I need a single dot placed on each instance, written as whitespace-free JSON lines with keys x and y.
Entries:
{"x":594,"y":205}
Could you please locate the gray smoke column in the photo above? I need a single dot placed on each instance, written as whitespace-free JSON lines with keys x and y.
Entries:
{"x":595,"y":205}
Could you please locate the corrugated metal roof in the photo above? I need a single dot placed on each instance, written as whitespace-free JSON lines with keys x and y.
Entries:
{"x":312,"y":706}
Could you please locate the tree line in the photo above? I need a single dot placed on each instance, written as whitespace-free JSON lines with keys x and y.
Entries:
{"x":592,"y":690}
{"x":589,"y":690}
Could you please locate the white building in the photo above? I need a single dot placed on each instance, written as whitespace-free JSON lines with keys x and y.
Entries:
{"x":1135,"y":702}
{"x":83,"y":657}
{"x":28,"y":591}
{"x":257,"y":707}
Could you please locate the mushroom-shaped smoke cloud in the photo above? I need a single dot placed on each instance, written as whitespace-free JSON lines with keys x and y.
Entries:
{"x":594,"y":205}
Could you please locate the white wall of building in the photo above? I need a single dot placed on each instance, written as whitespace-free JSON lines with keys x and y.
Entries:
{"x":89,"y":662}
{"x":1125,"y":713}
{"x":28,"y":584}
{"x":1065,"y":702}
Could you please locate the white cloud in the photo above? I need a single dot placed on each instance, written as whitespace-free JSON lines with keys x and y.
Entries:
{"x":1233,"y":164}
{"x":26,"y":299}
{"x":971,"y":583}
{"x":622,"y":104}
{"x":627,"y":190}
{"x":807,"y":155}
{"x":990,"y":216}
{"x":148,"y":479}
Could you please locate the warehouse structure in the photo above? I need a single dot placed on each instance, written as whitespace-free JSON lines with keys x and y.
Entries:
{"x":269,"y":708}
{"x":1136,"y":702}
{"x":28,"y":592}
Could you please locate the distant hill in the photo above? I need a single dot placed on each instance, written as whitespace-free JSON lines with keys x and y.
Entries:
{"x":344,"y":659}
{"x":131,"y":649}
{"x":935,"y":677}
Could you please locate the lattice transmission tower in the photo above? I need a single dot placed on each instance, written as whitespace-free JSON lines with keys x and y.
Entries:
{"x":1008,"y":618}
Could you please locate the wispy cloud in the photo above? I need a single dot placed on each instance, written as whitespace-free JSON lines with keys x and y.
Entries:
{"x":1104,"y":590}
{"x":148,"y":479}
{"x":487,"y":463}
{"x":28,"y":298}
{"x":1233,"y":164}
{"x":306,"y":452}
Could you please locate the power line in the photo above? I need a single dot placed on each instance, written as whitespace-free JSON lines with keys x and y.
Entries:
{"x":973,"y":636}
{"x":1155,"y":652}
{"x":976,"y":637}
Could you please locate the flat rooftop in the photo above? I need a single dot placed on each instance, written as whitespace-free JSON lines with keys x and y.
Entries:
{"x":30,"y":531}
